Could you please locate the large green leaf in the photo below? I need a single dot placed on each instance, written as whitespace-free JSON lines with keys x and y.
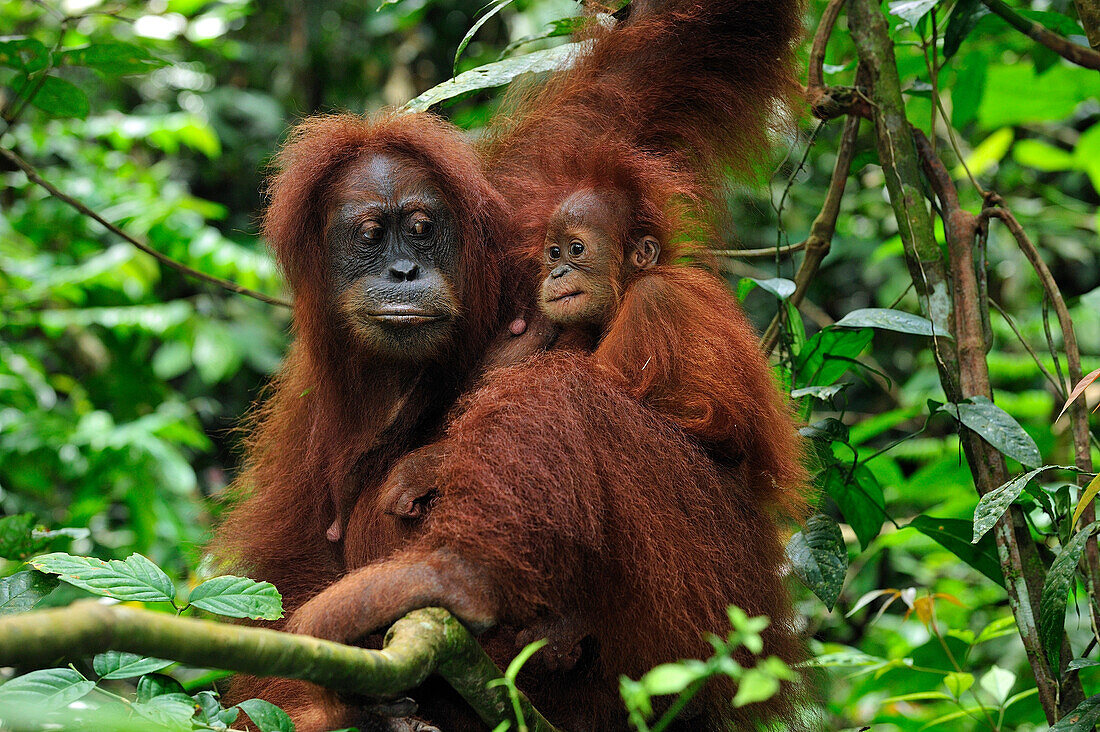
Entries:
{"x":266,"y":716}
{"x":238,"y":597}
{"x":963,"y":18}
{"x":998,"y":428}
{"x":23,"y":590}
{"x":828,"y":354}
{"x":120,"y":665}
{"x":133,"y":579}
{"x":112,"y":58}
{"x":819,"y":557}
{"x":1052,"y":603}
{"x":993,"y":504}
{"x":954,"y":535}
{"x":860,"y":499}
{"x":498,"y":5}
{"x":54,"y":96}
{"x":496,"y":74}
{"x":26,"y":54}
{"x":51,"y":688}
{"x":898,"y":321}
{"x":1082,"y":719}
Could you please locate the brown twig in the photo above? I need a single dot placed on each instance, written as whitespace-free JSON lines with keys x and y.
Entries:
{"x":816,"y":76}
{"x":1080,"y":55}
{"x":33,"y":176}
{"x":821,"y":231}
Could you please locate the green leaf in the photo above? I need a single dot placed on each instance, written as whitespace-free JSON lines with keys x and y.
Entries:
{"x":819,"y":557}
{"x":958,"y":683}
{"x":134,"y":579}
{"x":860,"y":499}
{"x":153,"y":685}
{"x":170,"y":711}
{"x":954,"y":536}
{"x":993,"y":504}
{"x":17,"y":536}
{"x":51,"y":688}
{"x":55,"y":96}
{"x":824,"y":393}
{"x":1042,"y":156}
{"x":998,"y":428}
{"x":988,"y":152}
{"x":26,"y":54}
{"x":963,"y":18}
{"x":755,"y":686}
{"x":828,"y":355}
{"x":112,"y":58}
{"x":496,"y":74}
{"x":672,"y":678}
{"x":497,"y":7}
{"x":266,"y":716}
{"x":238,"y":597}
{"x":911,"y":11}
{"x":887,"y":319}
{"x":1052,"y":603}
{"x":119,"y":665}
{"x":23,"y":590}
{"x":1080,"y":663}
{"x":969,"y":89}
{"x":999,"y":682}
{"x":1082,"y":719}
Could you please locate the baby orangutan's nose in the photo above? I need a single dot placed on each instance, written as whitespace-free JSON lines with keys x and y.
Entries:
{"x":559,"y":272}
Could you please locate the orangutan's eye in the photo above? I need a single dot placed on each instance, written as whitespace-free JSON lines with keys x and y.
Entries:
{"x":372,"y":232}
{"x":422,"y":227}
{"x":554,"y":253}
{"x":576,"y":248}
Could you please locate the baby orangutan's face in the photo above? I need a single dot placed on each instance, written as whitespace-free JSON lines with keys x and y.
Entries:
{"x":584,"y":262}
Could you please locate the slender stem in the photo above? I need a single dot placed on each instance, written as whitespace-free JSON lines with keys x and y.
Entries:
{"x":1080,"y":55}
{"x":822,"y":230}
{"x":1059,"y":389}
{"x":758,"y":253}
{"x":33,"y":175}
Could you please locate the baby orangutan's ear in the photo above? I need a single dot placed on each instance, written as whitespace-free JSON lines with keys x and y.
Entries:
{"x":411,"y":485}
{"x":645,"y":252}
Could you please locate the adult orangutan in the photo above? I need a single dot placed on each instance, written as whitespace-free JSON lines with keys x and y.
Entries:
{"x":393,"y":240}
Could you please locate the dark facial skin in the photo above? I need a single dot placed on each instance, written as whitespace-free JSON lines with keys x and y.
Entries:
{"x":394,"y":247}
{"x":581,"y":267}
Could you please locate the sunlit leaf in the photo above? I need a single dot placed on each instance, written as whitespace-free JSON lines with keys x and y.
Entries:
{"x":134,"y":578}
{"x":119,"y":665}
{"x":238,"y":597}
{"x":993,"y":504}
{"x":886,"y":319}
{"x":23,"y":590}
{"x":51,"y":688}
{"x":266,"y":716}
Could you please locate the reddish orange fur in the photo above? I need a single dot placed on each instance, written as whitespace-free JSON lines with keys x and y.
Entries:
{"x":637,"y":544}
{"x":683,"y":89}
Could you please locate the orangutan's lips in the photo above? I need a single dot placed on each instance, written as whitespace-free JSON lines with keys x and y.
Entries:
{"x":567,"y":296}
{"x":405,"y":315}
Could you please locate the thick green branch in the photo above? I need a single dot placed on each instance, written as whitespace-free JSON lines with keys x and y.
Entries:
{"x":423,"y":642}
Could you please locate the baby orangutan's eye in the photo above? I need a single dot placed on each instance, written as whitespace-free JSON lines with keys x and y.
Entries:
{"x":576,"y":248}
{"x":554,"y":253}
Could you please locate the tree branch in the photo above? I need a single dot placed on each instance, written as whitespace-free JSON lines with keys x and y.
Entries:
{"x":423,"y":642}
{"x":943,"y":292}
{"x":822,"y":230}
{"x":1080,"y":55}
{"x":34,"y":176}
